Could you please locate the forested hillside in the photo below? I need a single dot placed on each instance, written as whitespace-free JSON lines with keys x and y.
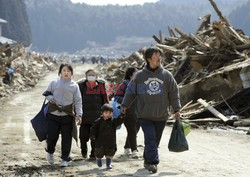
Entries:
{"x":240,"y":18}
{"x":59,"y":25}
{"x":18,"y":27}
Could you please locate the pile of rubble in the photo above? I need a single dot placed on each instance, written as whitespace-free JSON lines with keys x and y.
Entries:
{"x":20,"y":69}
{"x":211,"y":64}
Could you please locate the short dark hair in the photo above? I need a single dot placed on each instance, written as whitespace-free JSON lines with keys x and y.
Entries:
{"x":67,"y":65}
{"x":89,"y":71}
{"x":150,"y":51}
{"x":106,"y":107}
{"x":130,"y":71}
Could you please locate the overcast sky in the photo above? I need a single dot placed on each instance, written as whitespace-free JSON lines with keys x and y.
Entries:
{"x":120,"y":2}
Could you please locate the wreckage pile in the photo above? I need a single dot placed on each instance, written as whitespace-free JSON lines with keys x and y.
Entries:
{"x":211,"y":64}
{"x":20,"y":69}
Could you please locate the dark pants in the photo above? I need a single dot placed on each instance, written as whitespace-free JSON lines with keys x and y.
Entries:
{"x":133,"y":126}
{"x":152,"y":135}
{"x":57,"y":125}
{"x":108,"y":152}
{"x":84,"y":138}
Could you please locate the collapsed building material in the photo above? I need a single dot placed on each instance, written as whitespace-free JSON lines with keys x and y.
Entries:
{"x":20,"y":69}
{"x":212,"y":110}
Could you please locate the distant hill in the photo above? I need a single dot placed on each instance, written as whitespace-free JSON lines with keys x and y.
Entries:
{"x":18,"y":27}
{"x":59,"y":25}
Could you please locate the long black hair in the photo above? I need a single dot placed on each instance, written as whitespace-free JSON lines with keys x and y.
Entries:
{"x":129,"y":73}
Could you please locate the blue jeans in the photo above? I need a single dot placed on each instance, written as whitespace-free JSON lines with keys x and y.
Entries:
{"x":152,"y":135}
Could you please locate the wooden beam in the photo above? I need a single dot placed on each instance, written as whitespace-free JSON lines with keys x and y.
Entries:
{"x":219,"y":12}
{"x":212,"y":110}
{"x":160,"y":36}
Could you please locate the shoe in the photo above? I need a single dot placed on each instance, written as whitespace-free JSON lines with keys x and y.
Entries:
{"x":134,"y":154}
{"x":50,"y":158}
{"x":92,"y":157}
{"x":152,"y":168}
{"x":99,"y":162}
{"x":127,"y":151}
{"x":108,"y":164}
{"x":84,"y":156}
{"x":64,"y":163}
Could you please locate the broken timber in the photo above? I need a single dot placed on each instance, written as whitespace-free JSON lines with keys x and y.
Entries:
{"x":212,"y":110}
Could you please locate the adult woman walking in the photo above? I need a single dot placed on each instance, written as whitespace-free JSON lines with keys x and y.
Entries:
{"x":131,"y":122}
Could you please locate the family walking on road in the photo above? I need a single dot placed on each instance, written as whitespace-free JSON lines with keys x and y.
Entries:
{"x":145,"y":97}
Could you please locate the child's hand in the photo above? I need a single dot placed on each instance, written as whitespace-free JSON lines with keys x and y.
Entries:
{"x":122,"y":116}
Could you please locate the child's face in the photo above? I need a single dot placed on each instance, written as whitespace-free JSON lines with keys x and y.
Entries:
{"x":66,"y":73}
{"x":107,"y":115}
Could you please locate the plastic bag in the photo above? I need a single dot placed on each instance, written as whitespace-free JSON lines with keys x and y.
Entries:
{"x":185,"y":127}
{"x":177,"y":141}
{"x":117,"y":110}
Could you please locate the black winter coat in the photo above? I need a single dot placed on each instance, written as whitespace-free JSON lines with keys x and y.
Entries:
{"x":104,"y":132}
{"x":92,"y":100}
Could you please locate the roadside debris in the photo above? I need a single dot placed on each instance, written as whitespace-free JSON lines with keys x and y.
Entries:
{"x":20,"y":69}
{"x":212,"y":64}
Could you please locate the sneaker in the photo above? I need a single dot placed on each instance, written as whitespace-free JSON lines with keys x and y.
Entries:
{"x":50,"y":158}
{"x":134,"y":154}
{"x":152,"y":168}
{"x":64,"y":163}
{"x":127,"y":151}
{"x":99,"y":162}
{"x":109,"y":167}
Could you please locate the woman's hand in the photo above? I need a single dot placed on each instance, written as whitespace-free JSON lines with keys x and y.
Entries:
{"x":52,"y":101}
{"x":78,"y":120}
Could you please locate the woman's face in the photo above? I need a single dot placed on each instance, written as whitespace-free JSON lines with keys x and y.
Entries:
{"x":91,"y":76}
{"x":66,"y":73}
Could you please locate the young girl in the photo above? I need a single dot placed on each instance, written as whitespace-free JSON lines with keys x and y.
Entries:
{"x":103,"y":132}
{"x":64,"y":99}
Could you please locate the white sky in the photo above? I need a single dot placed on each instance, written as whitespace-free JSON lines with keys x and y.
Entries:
{"x":120,"y":2}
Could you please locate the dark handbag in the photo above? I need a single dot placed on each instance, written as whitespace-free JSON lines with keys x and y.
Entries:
{"x":40,"y":123}
{"x":177,"y":141}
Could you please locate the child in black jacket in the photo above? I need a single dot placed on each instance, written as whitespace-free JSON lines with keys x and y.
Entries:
{"x":103,"y":132}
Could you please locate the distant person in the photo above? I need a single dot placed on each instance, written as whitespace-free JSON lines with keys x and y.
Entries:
{"x":103,"y":132}
{"x":131,"y":122}
{"x":64,"y":99}
{"x":93,"y":97}
{"x":9,"y":75}
{"x":155,"y":89}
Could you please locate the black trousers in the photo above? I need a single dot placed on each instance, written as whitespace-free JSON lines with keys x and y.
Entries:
{"x":133,"y":126}
{"x":84,"y":138}
{"x":108,"y":152}
{"x":57,"y":125}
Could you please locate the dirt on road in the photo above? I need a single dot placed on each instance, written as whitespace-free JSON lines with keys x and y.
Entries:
{"x":213,"y":152}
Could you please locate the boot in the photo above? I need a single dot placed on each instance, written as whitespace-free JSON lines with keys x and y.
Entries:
{"x":108,"y":164}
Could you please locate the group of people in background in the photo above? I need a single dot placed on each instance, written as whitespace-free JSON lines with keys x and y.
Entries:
{"x":145,"y":97}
